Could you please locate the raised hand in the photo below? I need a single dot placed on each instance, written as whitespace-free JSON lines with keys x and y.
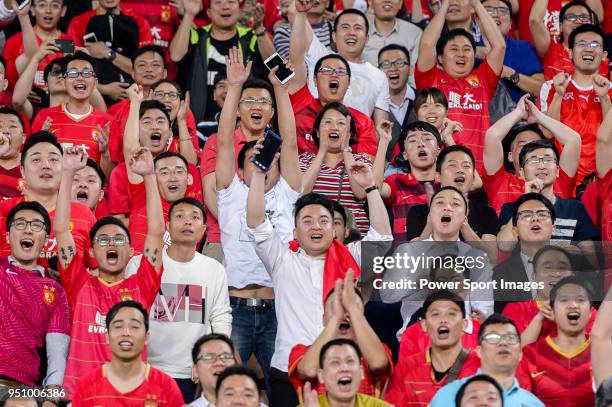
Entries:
{"x":345,"y":137}
{"x":237,"y":73}
{"x":117,"y":90}
{"x":5,"y":144}
{"x":102,"y":138}
{"x":521,"y":107}
{"x":25,"y":10}
{"x":601,"y":85}
{"x":384,"y":129}
{"x":184,"y":108}
{"x":274,"y":80}
{"x":256,"y":149}
{"x":337,"y":312}
{"x":74,"y":159}
{"x":535,"y":185}
{"x":532,"y":111}
{"x":47,"y":124}
{"x":311,"y":397}
{"x":561,"y":81}
{"x":46,"y":48}
{"x":258,"y":15}
{"x":362,"y":174}
{"x":350,"y":300}
{"x":303,"y":6}
{"x":192,"y":7}
{"x":135,"y":93}
{"x":141,"y":162}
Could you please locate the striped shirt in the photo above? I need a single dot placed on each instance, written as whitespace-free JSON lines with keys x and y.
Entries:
{"x":282,"y":35}
{"x":334,"y":183}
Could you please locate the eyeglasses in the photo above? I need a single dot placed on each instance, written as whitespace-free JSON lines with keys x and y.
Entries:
{"x":165,"y":172}
{"x":36,"y":225}
{"x":250,"y":101}
{"x":580,"y":18}
{"x":105,"y":240}
{"x":495,"y":338}
{"x":161,"y":122}
{"x":537,"y":160}
{"x":170,"y":95}
{"x":50,"y":5}
{"x":225,"y":358}
{"x":543,"y":214}
{"x":86,"y":73}
{"x":326,"y":70}
{"x":500,"y":11}
{"x":398,"y":63}
{"x":594,"y":45}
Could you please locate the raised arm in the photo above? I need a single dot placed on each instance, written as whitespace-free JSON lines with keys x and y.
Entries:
{"x":131,"y":140}
{"x":539,"y":32}
{"x":427,"y":47}
{"x":256,"y":204}
{"x":493,"y":149}
{"x":379,"y":219}
{"x":30,"y":44}
{"x":601,"y":337}
{"x":603,"y":150}
{"x":237,"y":75}
{"x":74,"y":159}
{"x":301,"y":37}
{"x":180,"y":42}
{"x":141,"y":163}
{"x":289,"y":157}
{"x":560,"y":83}
{"x":383,"y":131}
{"x":601,"y":85}
{"x":186,"y":147}
{"x":495,"y":56}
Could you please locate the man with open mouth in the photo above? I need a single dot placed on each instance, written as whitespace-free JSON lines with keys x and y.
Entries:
{"x":468,"y":90}
{"x":91,"y":297}
{"x":339,"y":370}
{"x":125,"y":379}
{"x":87,"y":188}
{"x":582,"y":99}
{"x":500,"y":354}
{"x":561,"y":362}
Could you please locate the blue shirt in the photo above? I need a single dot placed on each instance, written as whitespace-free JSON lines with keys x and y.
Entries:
{"x":514,"y":397}
{"x":521,"y":57}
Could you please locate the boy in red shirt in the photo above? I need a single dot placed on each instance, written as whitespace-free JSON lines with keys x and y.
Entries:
{"x":468,"y":90}
{"x":91,"y":297}
{"x":77,"y":122}
{"x":126,"y":380}
{"x":417,"y":378}
{"x":87,"y":188}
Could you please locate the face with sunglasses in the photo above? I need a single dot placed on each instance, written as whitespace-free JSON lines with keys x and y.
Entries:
{"x":80,"y":80}
{"x":27,"y":235}
{"x":499,"y":349}
{"x":588,"y":52}
{"x":111,"y":249}
{"x":55,"y":80}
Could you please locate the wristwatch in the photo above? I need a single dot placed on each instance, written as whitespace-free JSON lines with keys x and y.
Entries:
{"x":260,"y":32}
{"x":514,"y":78}
{"x":347,"y":149}
{"x":111,"y":56}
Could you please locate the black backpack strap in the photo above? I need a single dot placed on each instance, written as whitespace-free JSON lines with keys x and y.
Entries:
{"x":453,"y":372}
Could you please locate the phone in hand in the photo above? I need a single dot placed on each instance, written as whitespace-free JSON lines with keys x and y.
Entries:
{"x":65,"y":46}
{"x":271,"y":145}
{"x":22,"y":3}
{"x":283,"y":74}
{"x":330,"y":6}
{"x":90,"y":38}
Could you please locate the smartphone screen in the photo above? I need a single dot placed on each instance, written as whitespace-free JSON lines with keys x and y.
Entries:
{"x":22,"y":3}
{"x":283,"y":74}
{"x":271,"y":144}
{"x":65,"y":46}
{"x":90,"y":38}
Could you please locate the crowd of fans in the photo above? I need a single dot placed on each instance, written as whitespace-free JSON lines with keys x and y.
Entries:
{"x":148,"y":258}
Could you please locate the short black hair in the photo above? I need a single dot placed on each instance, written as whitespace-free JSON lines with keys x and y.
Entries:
{"x":418,"y":125}
{"x":256,"y":83}
{"x":450,"y":188}
{"x":573,"y":3}
{"x":338,"y":207}
{"x":436,"y":94}
{"x":552,"y":248}
{"x":603,"y":396}
{"x":337,"y":342}
{"x":452,"y":34}
{"x":532,"y":196}
{"x":495,"y":319}
{"x":107,"y":220}
{"x":477,"y":378}
{"x":243,"y":152}
{"x":147,"y":105}
{"x":91,"y":163}
{"x":574,"y":280}
{"x":32,"y":206}
{"x":59,"y":61}
{"x":394,"y":47}
{"x":344,"y":111}
{"x":586,"y":28}
{"x":112,"y":313}
{"x":332,"y":56}
{"x":451,"y":149}
{"x":149,"y":48}
{"x":13,"y":112}
{"x":78,"y":56}
{"x":219,"y":77}
{"x":312,"y":198}
{"x":170,"y":82}
{"x":506,"y":2}
{"x":207,"y":338}
{"x":236,"y":370}
{"x":3,"y":63}
{"x":520,"y":128}
{"x":444,"y":295}
{"x":536,"y":145}
{"x":43,"y":136}
{"x":189,"y":201}
{"x":351,"y":11}
{"x":169,"y":154}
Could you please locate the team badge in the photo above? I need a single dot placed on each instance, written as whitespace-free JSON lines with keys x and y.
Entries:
{"x":151,"y":401}
{"x":166,"y":14}
{"x":95,"y":134}
{"x":125,"y":295}
{"x":48,"y":295}
{"x":473,"y":81}
{"x":21,"y":184}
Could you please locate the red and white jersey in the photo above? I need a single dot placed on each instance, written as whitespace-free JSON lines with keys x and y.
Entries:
{"x":558,"y":59}
{"x":580,"y":110}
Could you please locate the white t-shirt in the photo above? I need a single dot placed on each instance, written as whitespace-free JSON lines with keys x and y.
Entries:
{"x":200,"y":286}
{"x":240,"y":260}
{"x":368,"y":89}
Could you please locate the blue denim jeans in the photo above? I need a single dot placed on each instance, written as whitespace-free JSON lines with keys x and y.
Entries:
{"x":254,"y":332}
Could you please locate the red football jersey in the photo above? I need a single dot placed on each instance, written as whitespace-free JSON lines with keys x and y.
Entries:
{"x":372,"y":386}
{"x":81,"y":220}
{"x":90,"y":298}
{"x":306,"y":108}
{"x":580,"y":110}
{"x":415,"y":339}
{"x":504,"y":187}
{"x":78,"y":26}
{"x":11,"y":183}
{"x":558,"y":59}
{"x":74,"y":132}
{"x":157,"y":389}
{"x":551,"y":18}
{"x":560,"y":379}
{"x":413,"y":382}
{"x":14,"y":48}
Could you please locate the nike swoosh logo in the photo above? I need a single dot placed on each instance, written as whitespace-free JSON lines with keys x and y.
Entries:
{"x":534,"y":375}
{"x":8,"y":271}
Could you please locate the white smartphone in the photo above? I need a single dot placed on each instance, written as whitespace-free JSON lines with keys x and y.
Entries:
{"x":22,"y":3}
{"x":283,"y":74}
{"x":90,"y":38}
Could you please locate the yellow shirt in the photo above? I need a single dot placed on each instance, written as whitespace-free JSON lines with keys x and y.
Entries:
{"x":362,"y":401}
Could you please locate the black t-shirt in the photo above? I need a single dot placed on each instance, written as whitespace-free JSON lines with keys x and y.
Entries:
{"x":481,"y":217}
